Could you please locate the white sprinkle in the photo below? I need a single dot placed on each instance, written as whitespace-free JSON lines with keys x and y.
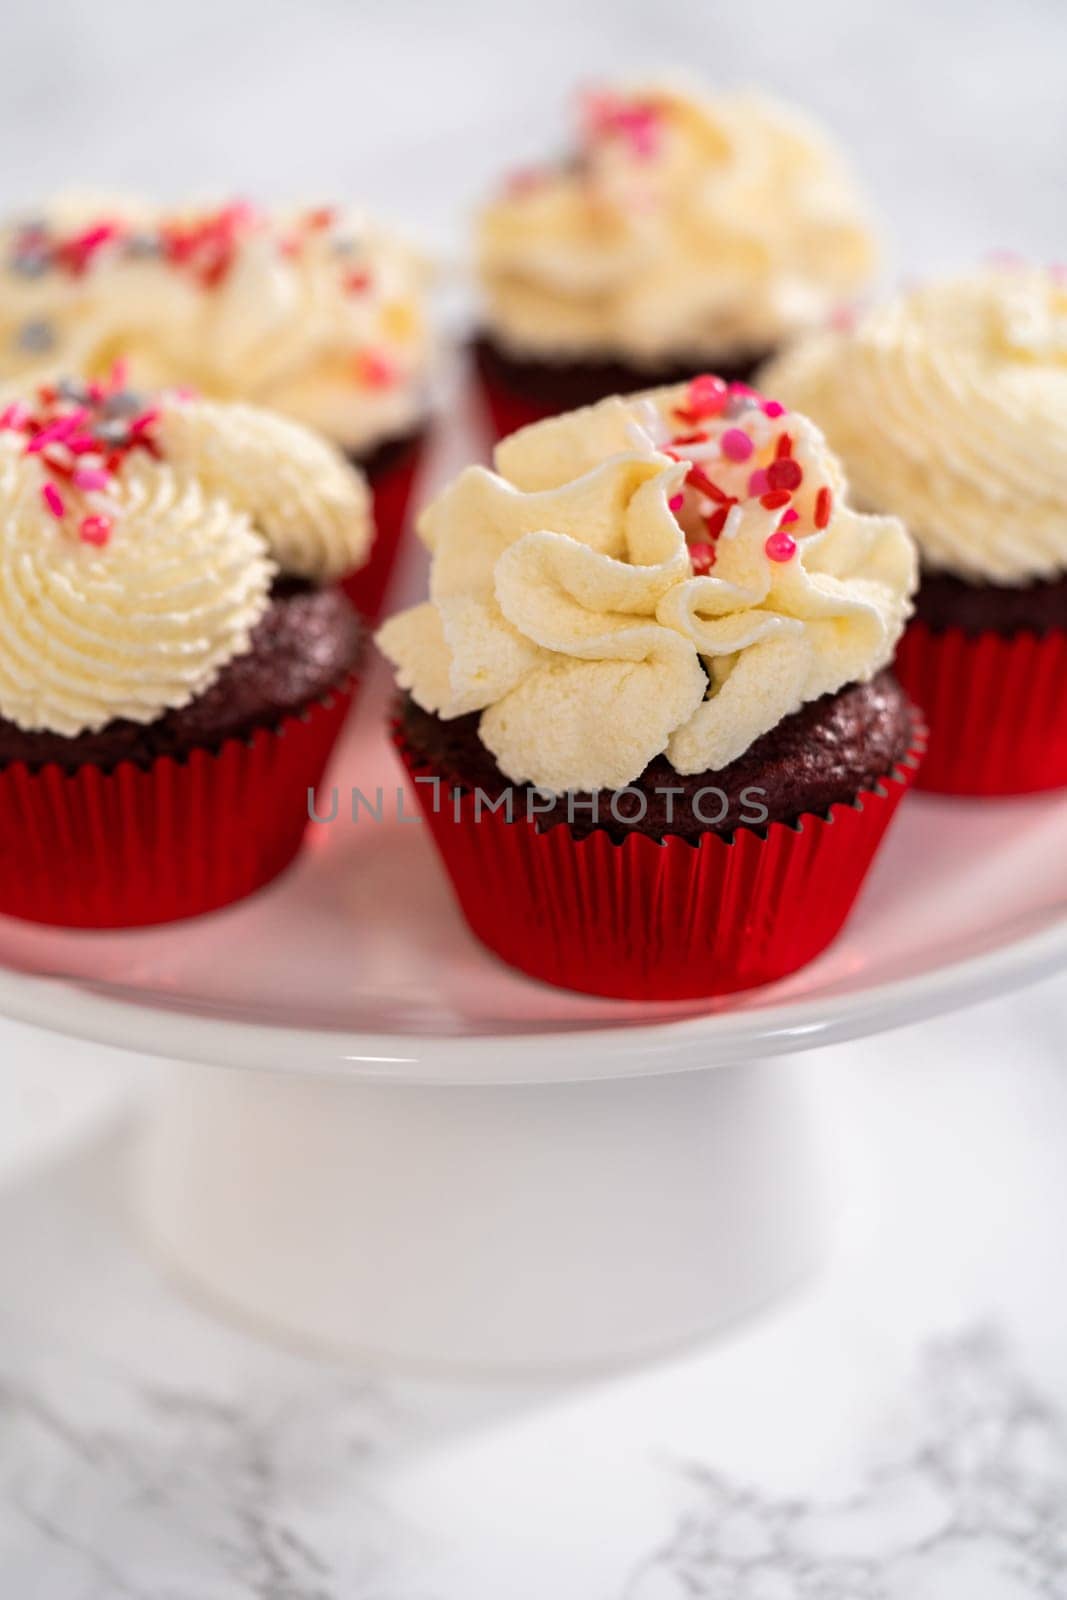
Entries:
{"x":732,"y":526}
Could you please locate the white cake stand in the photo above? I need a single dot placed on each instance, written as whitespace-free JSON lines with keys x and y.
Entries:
{"x":377,"y":1139}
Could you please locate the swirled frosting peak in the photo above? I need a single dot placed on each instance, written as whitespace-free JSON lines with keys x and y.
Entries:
{"x":139,"y":539}
{"x":317,"y":313}
{"x":685,"y":227}
{"x":675,"y":571}
{"x":948,"y":406}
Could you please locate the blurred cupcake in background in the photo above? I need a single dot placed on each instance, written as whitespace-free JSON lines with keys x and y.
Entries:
{"x":177,"y":660}
{"x":948,"y":407}
{"x":318,"y":314}
{"x":646,"y":705}
{"x":687,"y":232}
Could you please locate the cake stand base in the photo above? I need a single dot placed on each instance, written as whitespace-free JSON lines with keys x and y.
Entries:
{"x":545,"y":1226}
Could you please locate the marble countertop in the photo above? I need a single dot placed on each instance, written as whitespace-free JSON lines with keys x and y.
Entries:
{"x":894,"y":1432}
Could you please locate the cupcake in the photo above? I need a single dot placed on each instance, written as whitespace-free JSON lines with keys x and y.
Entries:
{"x":646,"y":706}
{"x":948,"y":408}
{"x":317,"y":314}
{"x":686,"y":232}
{"x":175,"y":665}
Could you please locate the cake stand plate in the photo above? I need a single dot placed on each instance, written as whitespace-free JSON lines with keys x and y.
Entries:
{"x":432,"y":1159}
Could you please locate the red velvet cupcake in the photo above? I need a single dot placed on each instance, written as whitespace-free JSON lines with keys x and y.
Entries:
{"x":317,"y":314}
{"x":686,"y":232}
{"x":175,"y":663}
{"x":948,"y":407}
{"x":646,"y":709}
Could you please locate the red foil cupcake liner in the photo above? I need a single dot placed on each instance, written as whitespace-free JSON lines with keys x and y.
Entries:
{"x":996,"y":708}
{"x":391,"y":488}
{"x":643,"y":920}
{"x":136,"y":846}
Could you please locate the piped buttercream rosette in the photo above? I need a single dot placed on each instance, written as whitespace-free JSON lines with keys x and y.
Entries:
{"x":948,"y":407}
{"x":674,"y":572}
{"x":139,"y":540}
{"x":684,"y":223}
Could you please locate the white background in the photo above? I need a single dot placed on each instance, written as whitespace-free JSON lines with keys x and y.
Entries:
{"x":894,"y":1432}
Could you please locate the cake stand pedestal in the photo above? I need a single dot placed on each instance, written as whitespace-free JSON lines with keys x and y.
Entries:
{"x":377,"y":1140}
{"x":543,"y":1226}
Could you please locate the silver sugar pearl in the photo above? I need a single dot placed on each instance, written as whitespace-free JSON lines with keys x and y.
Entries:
{"x":112,"y":431}
{"x":74,"y":390}
{"x":738,"y":404}
{"x":123,"y":403}
{"x":29,"y":264}
{"x":144,"y":246}
{"x":35,"y":336}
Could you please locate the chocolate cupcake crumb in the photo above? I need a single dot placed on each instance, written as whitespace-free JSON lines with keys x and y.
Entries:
{"x":825,"y":754}
{"x":565,"y":385}
{"x":305,"y":645}
{"x":945,"y":601}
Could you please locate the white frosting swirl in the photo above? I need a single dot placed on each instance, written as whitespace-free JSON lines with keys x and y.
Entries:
{"x":564,"y":605}
{"x":133,"y":629}
{"x":689,"y":229}
{"x":317,"y":314}
{"x":311,"y":506}
{"x":126,"y":587}
{"x":948,"y":407}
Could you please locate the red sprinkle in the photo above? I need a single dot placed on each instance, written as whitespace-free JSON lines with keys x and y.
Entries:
{"x":707,"y":396}
{"x":690,"y":438}
{"x":702,"y":557}
{"x":358,"y":282}
{"x":784,"y":447}
{"x":95,"y":530}
{"x":704,"y":485}
{"x":785,"y":473}
{"x":824,"y":505}
{"x":53,"y":499}
{"x":717,"y":521}
{"x":375,"y":369}
{"x":781,"y":546}
{"x":775,"y":499}
{"x":676,"y":502}
{"x":789,"y":517}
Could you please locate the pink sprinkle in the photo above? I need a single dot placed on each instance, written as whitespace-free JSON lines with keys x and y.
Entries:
{"x":54,"y":432}
{"x":757,"y":483}
{"x":95,"y":530}
{"x":736,"y":445}
{"x":781,"y":546}
{"x":16,"y":415}
{"x":702,"y":558}
{"x":788,"y":517}
{"x":90,"y":478}
{"x":53,"y":500}
{"x":743,"y":388}
{"x":80,"y":444}
{"x":676,"y":502}
{"x":145,"y":420}
{"x":771,"y":408}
